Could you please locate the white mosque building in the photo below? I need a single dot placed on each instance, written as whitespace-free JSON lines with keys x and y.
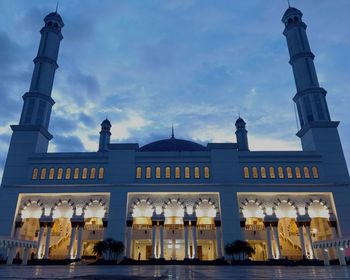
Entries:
{"x":174,"y":199}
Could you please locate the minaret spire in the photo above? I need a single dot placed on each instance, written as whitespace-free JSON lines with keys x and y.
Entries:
{"x":172,"y":132}
{"x":56,"y":7}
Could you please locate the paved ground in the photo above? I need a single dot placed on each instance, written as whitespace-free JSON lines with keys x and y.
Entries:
{"x":172,"y":272}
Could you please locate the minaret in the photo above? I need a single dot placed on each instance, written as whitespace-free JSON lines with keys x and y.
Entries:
{"x":318,"y":132}
{"x":31,"y":134}
{"x":241,"y":135}
{"x":105,"y":135}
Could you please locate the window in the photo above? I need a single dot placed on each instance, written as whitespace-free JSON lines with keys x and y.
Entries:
{"x":148,"y":172}
{"x":272,"y":172}
{"x":177,"y":172}
{"x":167,"y":172}
{"x":246,"y":172}
{"x":187,"y":172}
{"x":76,"y":173}
{"x":308,"y":109}
{"x":300,"y":114}
{"x":255,"y":172}
{"x":158,"y":172}
{"x":196,"y":172}
{"x":35,"y":174}
{"x":280,"y":173}
{"x":138,"y":173}
{"x":306,"y":172}
{"x":101,"y":173}
{"x":84,"y":176}
{"x":93,"y":173}
{"x":206,"y":172}
{"x":289,"y":173}
{"x":59,"y":173}
{"x":297,"y":172}
{"x":315,"y":172}
{"x":43,"y":173}
{"x":68,"y":172}
{"x":320,"y":112}
{"x":51,"y":173}
{"x":263,"y":172}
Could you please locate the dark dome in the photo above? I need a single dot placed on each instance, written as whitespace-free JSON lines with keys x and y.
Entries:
{"x":291,"y":11}
{"x":172,"y":144}
{"x":239,"y":121}
{"x":106,"y":122}
{"x":54,"y":16}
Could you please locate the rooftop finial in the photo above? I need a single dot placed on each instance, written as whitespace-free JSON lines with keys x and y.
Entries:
{"x":288,"y":3}
{"x":172,"y":131}
{"x":56,"y":7}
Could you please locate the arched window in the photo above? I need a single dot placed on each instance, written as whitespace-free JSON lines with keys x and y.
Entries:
{"x":255,"y":172}
{"x":246,"y":172}
{"x":76,"y":173}
{"x":158,"y":172}
{"x":43,"y":173}
{"x":101,"y":173}
{"x":35,"y":174}
{"x":297,"y":172}
{"x":289,"y":173}
{"x":68,"y":173}
{"x":167,"y":172}
{"x":272,"y":172}
{"x":315,"y":172}
{"x":93,"y":173}
{"x":177,"y":172}
{"x":148,"y":172}
{"x":59,"y":173}
{"x":84,"y":175}
{"x":138,"y":172}
{"x":206,"y":172}
{"x":196,"y":172}
{"x":51,"y":173}
{"x":296,"y":19}
{"x":290,"y":20}
{"x":306,"y":172}
{"x":263,"y":172}
{"x":187,"y":172}
{"x":280,"y":173}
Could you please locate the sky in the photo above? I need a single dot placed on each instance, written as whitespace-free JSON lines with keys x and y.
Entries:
{"x":196,"y":64}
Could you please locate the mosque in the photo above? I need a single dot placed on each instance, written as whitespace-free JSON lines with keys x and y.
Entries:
{"x":175,"y":199}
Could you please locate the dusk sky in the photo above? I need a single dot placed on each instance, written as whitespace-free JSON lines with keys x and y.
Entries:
{"x":196,"y":64}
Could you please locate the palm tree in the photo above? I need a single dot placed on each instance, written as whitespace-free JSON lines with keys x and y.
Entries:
{"x":100,"y":248}
{"x":114,"y":248}
{"x":240,"y":248}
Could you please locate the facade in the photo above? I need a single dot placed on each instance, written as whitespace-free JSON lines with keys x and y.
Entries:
{"x":174,"y":199}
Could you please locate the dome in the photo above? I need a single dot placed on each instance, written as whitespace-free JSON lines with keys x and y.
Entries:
{"x":240,"y":121}
{"x":291,"y":12}
{"x":54,"y":16}
{"x":172,"y":144}
{"x":106,"y":122}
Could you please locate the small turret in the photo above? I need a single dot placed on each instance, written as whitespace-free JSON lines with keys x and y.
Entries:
{"x":105,"y":135}
{"x":241,"y":135}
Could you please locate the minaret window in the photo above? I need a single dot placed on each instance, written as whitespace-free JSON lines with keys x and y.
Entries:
{"x":68,"y":173}
{"x":138,"y":173}
{"x":246,"y":172}
{"x":255,"y":172}
{"x":272,"y":172}
{"x":315,"y":172}
{"x":158,"y":172}
{"x":306,"y":172}
{"x":206,"y":172}
{"x":280,"y":173}
{"x":76,"y":173}
{"x":59,"y":173}
{"x":297,"y":172}
{"x":101,"y":173}
{"x":43,"y":173}
{"x":177,"y":172}
{"x":35,"y":174}
{"x":289,"y":173}
{"x":51,"y":173}
{"x":300,"y":115}
{"x":84,"y":175}
{"x":30,"y":110}
{"x":93,"y":173}
{"x":148,"y":172}
{"x":319,"y":108}
{"x":263,"y":172}
{"x":167,"y":172}
{"x":187,"y":172}
{"x":308,"y":109}
{"x":196,"y":172}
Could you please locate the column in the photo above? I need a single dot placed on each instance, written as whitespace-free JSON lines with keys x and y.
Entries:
{"x":186,"y":223}
{"x":325,"y":257}
{"x":268,"y":240}
{"x":173,"y":250}
{"x":80,"y":240}
{"x":25,"y":256}
{"x":161,"y":237}
{"x":47,"y":242}
{"x":194,"y":239}
{"x":154,"y":227}
{"x":242,"y":224}
{"x":218,"y":239}
{"x":11,"y":254}
{"x":341,"y":256}
{"x":71,"y":242}
{"x":309,"y":237}
{"x":18,"y":226}
{"x":40,"y":241}
{"x":128,"y":242}
{"x":301,"y":237}
{"x":277,"y":240}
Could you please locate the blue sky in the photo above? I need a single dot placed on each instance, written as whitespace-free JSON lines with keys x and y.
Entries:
{"x":196,"y":64}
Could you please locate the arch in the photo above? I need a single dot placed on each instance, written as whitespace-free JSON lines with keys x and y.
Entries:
{"x":142,"y":208}
{"x":290,"y":20}
{"x":246,"y":172}
{"x":174,"y":208}
{"x":296,"y":19}
{"x":63,"y":209}
{"x":252,"y":208}
{"x":205,"y":208}
{"x":32,"y":209}
{"x":93,"y":208}
{"x":317,"y":208}
{"x":285,"y":209}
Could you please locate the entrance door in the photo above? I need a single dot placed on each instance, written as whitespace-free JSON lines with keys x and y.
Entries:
{"x":200,"y":252}
{"x":148,"y":252}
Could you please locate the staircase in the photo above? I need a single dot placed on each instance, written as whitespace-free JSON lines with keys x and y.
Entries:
{"x":59,"y":249}
{"x":289,"y":248}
